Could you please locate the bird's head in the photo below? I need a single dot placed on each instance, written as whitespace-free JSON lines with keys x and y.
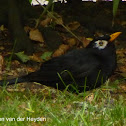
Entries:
{"x":103,"y":42}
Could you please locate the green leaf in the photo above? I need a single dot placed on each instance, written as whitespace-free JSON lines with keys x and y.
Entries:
{"x":24,"y":58}
{"x":30,"y":1}
{"x":46,"y":55}
{"x":115,"y":6}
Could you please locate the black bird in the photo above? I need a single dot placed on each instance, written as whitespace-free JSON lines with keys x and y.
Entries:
{"x":83,"y":69}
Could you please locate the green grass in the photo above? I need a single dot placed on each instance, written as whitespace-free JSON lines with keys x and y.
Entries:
{"x":63,"y":108}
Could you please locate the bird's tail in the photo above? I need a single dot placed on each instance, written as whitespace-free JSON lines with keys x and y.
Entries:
{"x":13,"y":81}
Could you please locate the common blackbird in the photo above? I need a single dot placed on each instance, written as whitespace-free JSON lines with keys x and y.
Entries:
{"x":83,"y":69}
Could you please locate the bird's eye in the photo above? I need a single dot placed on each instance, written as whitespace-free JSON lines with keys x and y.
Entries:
{"x":101,"y":43}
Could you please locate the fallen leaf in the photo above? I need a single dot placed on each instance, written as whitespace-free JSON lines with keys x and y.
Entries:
{"x":30,"y":69}
{"x":45,"y":22}
{"x":71,"y":42}
{"x":61,"y":50}
{"x":24,"y":58}
{"x":27,"y":29}
{"x":85,"y":41}
{"x":46,"y":56}
{"x":35,"y":58}
{"x":36,"y":35}
{"x":73,"y":25}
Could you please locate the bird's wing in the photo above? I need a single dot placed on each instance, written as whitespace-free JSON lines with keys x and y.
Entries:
{"x":79,"y":63}
{"x":83,"y":64}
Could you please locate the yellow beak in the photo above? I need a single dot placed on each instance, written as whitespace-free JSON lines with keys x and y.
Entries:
{"x":114,"y":36}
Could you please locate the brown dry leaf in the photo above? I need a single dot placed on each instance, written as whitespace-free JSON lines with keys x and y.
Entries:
{"x":73,"y":25}
{"x":45,"y":22}
{"x":35,"y":58}
{"x":85,"y":41}
{"x":31,"y":69}
{"x":61,"y":50}
{"x":36,"y":35}
{"x":71,"y":42}
{"x":27,"y":29}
